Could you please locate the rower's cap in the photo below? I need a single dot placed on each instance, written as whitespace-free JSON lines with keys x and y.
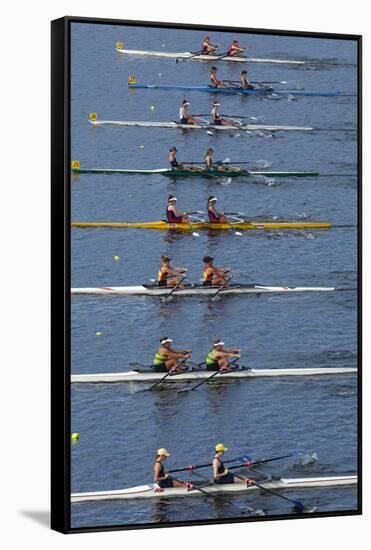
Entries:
{"x":185,"y":102}
{"x":162,"y":452}
{"x":220,"y":447}
{"x":171,"y":198}
{"x":165,"y":340}
{"x":218,"y":343}
{"x":208,"y":259}
{"x":212,"y":199}
{"x":216,"y":104}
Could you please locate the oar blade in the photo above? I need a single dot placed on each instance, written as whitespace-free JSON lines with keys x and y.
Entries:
{"x":299,"y":507}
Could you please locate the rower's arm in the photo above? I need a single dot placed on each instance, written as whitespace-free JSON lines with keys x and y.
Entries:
{"x":228,"y":353}
{"x":177,"y":353}
{"x":180,"y":270}
{"x":233,"y":351}
{"x":221,"y":271}
{"x":176,"y":270}
{"x":182,"y":351}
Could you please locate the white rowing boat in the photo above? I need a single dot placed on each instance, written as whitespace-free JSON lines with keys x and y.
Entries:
{"x":153,"y":290}
{"x":152,"y":376}
{"x":172,"y":124}
{"x":190,"y":55}
{"x":152,"y":490}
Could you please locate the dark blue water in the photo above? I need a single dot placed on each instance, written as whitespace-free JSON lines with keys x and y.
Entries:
{"x":120,"y":428}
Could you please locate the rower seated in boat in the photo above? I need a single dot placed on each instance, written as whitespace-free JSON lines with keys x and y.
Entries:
{"x":217,"y":358}
{"x":245,"y":84}
{"x":214,"y":215}
{"x":220,"y":472}
{"x":235,"y":49}
{"x":169,"y":275}
{"x":208,"y":48}
{"x":209,"y":158}
{"x":172,"y":157}
{"x":215,"y":82}
{"x":160,"y":477}
{"x":214,"y":276}
{"x":168,"y":359}
{"x":184,"y":116}
{"x":172,"y":214}
{"x":216,"y":117}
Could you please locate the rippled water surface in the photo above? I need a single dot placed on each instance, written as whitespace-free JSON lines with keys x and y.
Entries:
{"x":120,"y":427}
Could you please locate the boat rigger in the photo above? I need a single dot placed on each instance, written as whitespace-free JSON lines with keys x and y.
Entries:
{"x":210,"y":226}
{"x":194,"y":290}
{"x":152,"y":490}
{"x":189,"y":376}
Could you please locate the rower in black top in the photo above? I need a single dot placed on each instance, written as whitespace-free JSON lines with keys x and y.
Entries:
{"x":160,"y":477}
{"x":220,"y":472}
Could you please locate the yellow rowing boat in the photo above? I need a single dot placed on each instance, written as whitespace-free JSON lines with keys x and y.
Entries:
{"x":212,"y":226}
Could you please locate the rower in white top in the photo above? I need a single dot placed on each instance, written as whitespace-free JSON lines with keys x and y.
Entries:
{"x":184,"y":116}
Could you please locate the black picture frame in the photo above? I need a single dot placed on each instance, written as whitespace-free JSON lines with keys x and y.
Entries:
{"x":60,"y":269}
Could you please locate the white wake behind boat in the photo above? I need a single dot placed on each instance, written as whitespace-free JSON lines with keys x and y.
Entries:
{"x":190,"y":55}
{"x":173,"y":124}
{"x":152,"y":490}
{"x":153,"y":290}
{"x":189,"y":376}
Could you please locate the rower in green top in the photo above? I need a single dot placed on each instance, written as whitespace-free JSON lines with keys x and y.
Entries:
{"x":184,"y":116}
{"x":168,"y":359}
{"x":217,"y":358}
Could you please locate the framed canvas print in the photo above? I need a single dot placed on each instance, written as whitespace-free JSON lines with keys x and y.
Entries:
{"x":206,"y":275}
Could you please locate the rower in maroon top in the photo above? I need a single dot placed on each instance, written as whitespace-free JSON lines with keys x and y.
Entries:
{"x":214,"y":215}
{"x":207,"y":47}
{"x":172,"y":214}
{"x":235,"y":49}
